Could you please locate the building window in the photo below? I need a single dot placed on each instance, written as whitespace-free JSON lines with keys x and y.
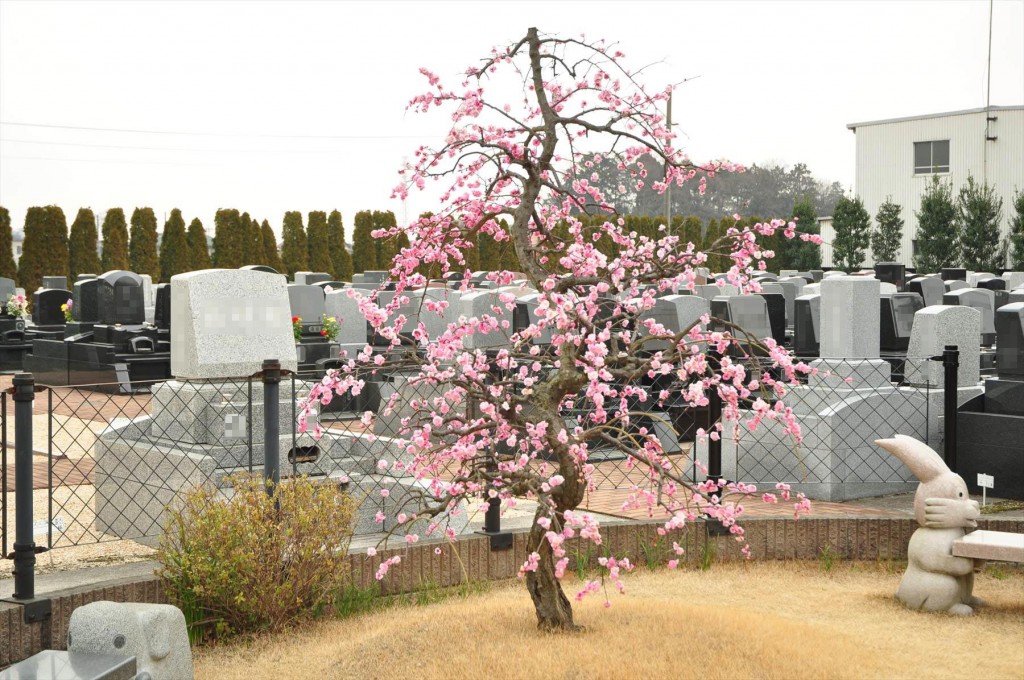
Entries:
{"x":931,"y":157}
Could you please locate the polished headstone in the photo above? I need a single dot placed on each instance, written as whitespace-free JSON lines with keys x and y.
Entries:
{"x":897,"y":319}
{"x":991,"y":283}
{"x":480,"y":303}
{"x":46,"y":306}
{"x":260,"y":268}
{"x":311,"y":278}
{"x":121,"y":298}
{"x":307,"y":303}
{"x":981,"y":299}
{"x":56,"y":282}
{"x":1010,"y":342}
{"x":930,"y":288}
{"x":7,"y":289}
{"x":934,"y":328}
{"x":162,"y":313}
{"x":87,"y":300}
{"x":953,"y":274}
{"x":849,"y":318}
{"x":748,"y":312}
{"x":891,"y":272}
{"x":226,"y":322}
{"x":352,"y":326}
{"x":956,"y":284}
{"x":807,"y":325}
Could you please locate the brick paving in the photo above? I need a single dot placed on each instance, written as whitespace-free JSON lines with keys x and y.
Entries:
{"x":65,"y":472}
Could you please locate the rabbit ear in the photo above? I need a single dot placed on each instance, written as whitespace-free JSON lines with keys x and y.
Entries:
{"x":918,"y":456}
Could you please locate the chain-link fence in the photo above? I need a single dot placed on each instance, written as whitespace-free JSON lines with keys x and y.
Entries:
{"x":102,"y":465}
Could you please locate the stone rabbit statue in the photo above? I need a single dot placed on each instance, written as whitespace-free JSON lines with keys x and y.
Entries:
{"x":155,"y":634}
{"x":935,"y":579}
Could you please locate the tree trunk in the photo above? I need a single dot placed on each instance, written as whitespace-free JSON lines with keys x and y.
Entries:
{"x":554,"y":612}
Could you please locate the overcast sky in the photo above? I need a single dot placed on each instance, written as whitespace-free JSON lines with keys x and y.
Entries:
{"x":300,"y":106}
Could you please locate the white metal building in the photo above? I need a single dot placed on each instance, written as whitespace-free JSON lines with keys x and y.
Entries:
{"x":898,"y":158}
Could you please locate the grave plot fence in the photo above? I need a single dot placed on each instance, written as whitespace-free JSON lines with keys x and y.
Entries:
{"x":93,"y":465}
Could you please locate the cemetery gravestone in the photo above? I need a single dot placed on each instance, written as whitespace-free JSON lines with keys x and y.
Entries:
{"x":120,"y":298}
{"x":260,"y":268}
{"x":953,"y":274}
{"x":46,"y":306}
{"x":311,"y":278}
{"x":807,"y":325}
{"x":55,"y":282}
{"x":849,"y":318}
{"x":984,"y":301}
{"x":897,"y":320}
{"x":222,"y":320}
{"x":930,"y":288}
{"x":891,"y":272}
{"x":7,"y":289}
{"x":936,"y":327}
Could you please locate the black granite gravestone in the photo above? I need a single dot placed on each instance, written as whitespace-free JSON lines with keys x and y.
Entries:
{"x":897,"y":319}
{"x":87,"y":301}
{"x":991,"y":283}
{"x":121,"y":299}
{"x":46,"y":306}
{"x":953,"y":273}
{"x":891,"y":272}
{"x":260,"y":268}
{"x":807,"y":316}
{"x":776,"y":315}
{"x":990,"y":427}
{"x":162,"y":312}
{"x":1009,"y":325}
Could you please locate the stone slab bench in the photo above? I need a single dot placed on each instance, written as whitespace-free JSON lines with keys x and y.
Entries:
{"x":52,"y":664}
{"x":998,"y":546}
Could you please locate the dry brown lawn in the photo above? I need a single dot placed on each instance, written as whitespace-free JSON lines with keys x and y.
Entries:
{"x":736,"y":621}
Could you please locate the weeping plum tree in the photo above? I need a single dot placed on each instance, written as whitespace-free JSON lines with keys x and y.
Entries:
{"x":505,"y":424}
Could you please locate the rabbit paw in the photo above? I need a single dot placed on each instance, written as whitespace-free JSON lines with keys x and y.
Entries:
{"x":961,"y":610}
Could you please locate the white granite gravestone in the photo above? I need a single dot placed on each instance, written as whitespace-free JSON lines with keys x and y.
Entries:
{"x":938,"y":326}
{"x":479,"y":303}
{"x":226,"y":322}
{"x":849,"y":317}
{"x":1013,"y":279}
{"x":352,"y":328}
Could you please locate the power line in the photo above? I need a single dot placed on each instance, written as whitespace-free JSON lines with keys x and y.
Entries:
{"x":166,"y":148}
{"x":205,"y":134}
{"x":94,"y":160}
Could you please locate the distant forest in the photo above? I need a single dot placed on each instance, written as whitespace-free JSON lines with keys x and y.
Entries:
{"x":770,"y":191}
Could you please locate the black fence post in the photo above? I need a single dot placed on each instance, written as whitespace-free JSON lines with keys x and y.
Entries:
{"x":24,"y":555}
{"x":271,"y":423}
{"x":714,"y":445}
{"x":950,"y":365}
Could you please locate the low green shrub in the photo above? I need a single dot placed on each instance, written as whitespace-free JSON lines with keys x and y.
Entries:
{"x":238,"y":560}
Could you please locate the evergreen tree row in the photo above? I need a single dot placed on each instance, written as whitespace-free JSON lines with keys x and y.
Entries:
{"x":960,"y":230}
{"x":238,"y":240}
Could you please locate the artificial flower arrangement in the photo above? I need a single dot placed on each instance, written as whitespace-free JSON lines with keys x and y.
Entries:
{"x":17,"y":305}
{"x":331,"y":328}
{"x":66,"y":308}
{"x":297,"y":328}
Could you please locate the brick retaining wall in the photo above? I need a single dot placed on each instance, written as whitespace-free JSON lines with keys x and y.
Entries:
{"x":472,"y":560}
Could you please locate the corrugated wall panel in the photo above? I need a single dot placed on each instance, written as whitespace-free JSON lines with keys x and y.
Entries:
{"x":885,"y":162}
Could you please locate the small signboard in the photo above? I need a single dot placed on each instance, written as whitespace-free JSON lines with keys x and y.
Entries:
{"x":986,"y":481}
{"x":42,"y":527}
